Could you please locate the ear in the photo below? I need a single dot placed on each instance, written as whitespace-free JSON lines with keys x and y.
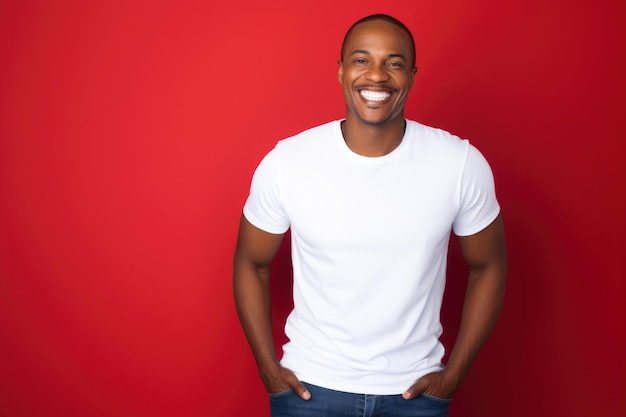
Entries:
{"x":413,"y":72}
{"x":340,"y":72}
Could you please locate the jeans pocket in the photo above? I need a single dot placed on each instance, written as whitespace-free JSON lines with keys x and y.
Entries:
{"x":280,"y":393}
{"x":437,"y":399}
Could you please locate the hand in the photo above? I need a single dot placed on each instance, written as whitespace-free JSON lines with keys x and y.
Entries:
{"x":283,"y":379}
{"x":437,"y":384}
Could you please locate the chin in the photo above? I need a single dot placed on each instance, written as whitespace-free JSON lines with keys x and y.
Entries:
{"x":373,"y":118}
{"x":375,"y":122}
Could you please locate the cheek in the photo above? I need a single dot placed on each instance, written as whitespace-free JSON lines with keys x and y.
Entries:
{"x":347,"y":92}
{"x":405,"y":84}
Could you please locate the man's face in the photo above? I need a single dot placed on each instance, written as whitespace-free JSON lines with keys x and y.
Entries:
{"x":376,"y":72}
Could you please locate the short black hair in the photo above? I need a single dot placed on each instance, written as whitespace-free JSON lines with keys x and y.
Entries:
{"x":386,"y":18}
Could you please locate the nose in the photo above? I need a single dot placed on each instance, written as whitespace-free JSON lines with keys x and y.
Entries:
{"x":377,"y":73}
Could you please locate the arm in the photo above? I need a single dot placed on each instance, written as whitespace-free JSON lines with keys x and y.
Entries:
{"x":485,"y":254}
{"x":251,"y":277}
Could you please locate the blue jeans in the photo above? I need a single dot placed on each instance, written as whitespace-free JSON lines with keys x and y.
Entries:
{"x":329,"y":403}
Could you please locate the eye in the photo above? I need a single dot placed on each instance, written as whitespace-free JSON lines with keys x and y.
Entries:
{"x":395,"y":64}
{"x":360,"y":61}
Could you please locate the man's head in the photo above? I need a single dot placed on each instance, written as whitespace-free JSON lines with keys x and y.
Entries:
{"x":385,"y":18}
{"x":377,"y":69}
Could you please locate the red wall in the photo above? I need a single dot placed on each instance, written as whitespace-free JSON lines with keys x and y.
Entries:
{"x":128,"y":135}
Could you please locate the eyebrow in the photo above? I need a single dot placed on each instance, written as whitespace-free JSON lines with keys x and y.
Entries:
{"x":366,"y":52}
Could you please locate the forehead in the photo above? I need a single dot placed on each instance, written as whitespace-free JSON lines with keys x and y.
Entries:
{"x":378,"y":34}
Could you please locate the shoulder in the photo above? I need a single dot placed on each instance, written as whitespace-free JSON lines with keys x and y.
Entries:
{"x":305,"y":137}
{"x":436,"y":142}
{"x":435,"y":135}
{"x":309,"y":144}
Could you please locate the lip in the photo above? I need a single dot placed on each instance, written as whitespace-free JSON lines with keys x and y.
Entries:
{"x":375,"y":96}
{"x":376,"y":90}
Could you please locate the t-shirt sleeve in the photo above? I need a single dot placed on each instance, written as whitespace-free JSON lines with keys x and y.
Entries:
{"x":478,"y":204}
{"x":264,"y":208}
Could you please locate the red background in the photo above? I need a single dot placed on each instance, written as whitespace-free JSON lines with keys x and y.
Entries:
{"x":129,"y":132}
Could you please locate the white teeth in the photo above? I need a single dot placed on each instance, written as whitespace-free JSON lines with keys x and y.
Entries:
{"x":375,"y":95}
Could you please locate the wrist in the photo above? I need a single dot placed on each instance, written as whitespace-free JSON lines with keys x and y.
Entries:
{"x":454,"y":378}
{"x":268,"y":367}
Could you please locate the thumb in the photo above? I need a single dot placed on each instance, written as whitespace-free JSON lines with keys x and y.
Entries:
{"x":416,"y":389}
{"x":302,"y":392}
{"x":298,"y":387}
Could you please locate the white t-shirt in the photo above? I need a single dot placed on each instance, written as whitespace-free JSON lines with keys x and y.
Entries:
{"x":369,"y":245}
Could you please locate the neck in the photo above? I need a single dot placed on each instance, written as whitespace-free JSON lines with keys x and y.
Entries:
{"x":373,"y":140}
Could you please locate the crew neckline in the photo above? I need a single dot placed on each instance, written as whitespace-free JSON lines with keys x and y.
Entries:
{"x":345,"y":149}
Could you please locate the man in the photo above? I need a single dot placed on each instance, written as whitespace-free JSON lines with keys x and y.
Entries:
{"x":370,"y":201}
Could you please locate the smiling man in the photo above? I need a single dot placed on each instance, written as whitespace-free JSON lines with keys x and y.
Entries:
{"x":370,"y":201}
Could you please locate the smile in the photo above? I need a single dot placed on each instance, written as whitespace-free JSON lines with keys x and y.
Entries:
{"x":370,"y":95}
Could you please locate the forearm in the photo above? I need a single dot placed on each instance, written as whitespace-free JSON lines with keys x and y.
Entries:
{"x":481,"y":309}
{"x":251,"y":286}
{"x":253,"y":302}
